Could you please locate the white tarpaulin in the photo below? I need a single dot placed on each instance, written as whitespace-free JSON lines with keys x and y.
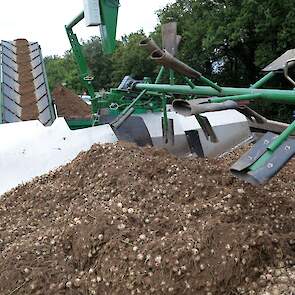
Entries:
{"x":28,"y":149}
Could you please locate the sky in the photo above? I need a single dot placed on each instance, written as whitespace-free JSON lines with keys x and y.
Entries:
{"x":44,"y":21}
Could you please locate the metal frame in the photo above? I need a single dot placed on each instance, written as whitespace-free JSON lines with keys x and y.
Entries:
{"x":161,"y":94}
{"x":50,"y":101}
{"x":1,"y":88}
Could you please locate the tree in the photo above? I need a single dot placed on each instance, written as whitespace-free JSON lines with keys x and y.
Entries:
{"x":63,"y":70}
{"x":130,"y":59}
{"x":231,"y":40}
{"x":244,"y":34}
{"x":100,"y":64}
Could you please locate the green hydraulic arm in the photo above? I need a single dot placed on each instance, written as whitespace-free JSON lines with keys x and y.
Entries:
{"x":85,"y":74}
{"x":108,"y":28}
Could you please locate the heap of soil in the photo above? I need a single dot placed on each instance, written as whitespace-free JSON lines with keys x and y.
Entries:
{"x":126,"y":220}
{"x":28,"y":99}
{"x":69,"y":105}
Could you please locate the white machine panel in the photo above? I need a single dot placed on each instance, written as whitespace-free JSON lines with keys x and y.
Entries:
{"x":29,"y":149}
{"x":92,"y":13}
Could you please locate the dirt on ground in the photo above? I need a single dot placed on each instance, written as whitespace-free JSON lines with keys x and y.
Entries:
{"x":28,"y":99}
{"x":69,"y":105}
{"x":121,"y":219}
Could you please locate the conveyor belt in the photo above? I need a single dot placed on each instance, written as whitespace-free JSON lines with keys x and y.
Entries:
{"x":16,"y":98}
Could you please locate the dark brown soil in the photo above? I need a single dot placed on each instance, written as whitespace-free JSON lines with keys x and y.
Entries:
{"x":69,"y":105}
{"x":27,"y":89}
{"x":126,"y":220}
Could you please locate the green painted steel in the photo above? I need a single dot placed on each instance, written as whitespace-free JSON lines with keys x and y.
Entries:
{"x":133,"y":103}
{"x":76,"y":124}
{"x":263,"y":80}
{"x":237,"y":97}
{"x":75,"y":21}
{"x":283,"y":136}
{"x":171,"y":77}
{"x":147,"y":97}
{"x":210,"y":83}
{"x":271,"y":95}
{"x":117,"y":100}
{"x":190,"y":83}
{"x":85,"y":74}
{"x":160,"y":75}
{"x":273,"y":147}
{"x":109,"y":15}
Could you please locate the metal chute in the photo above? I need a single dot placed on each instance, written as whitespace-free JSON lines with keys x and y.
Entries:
{"x":263,"y":160}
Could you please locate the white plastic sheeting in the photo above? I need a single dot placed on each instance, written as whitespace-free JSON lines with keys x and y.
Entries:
{"x":28,"y":149}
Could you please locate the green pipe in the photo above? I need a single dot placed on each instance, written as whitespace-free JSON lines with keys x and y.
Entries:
{"x":190,"y":83}
{"x":81,"y":61}
{"x":210,"y":83}
{"x":237,"y":97}
{"x":75,"y":21}
{"x":171,"y":77}
{"x":271,"y":95}
{"x":282,"y":137}
{"x":273,"y":147}
{"x":160,"y":75}
{"x":133,"y":102}
{"x":263,"y":80}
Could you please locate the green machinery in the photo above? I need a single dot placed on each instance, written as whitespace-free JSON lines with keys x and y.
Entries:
{"x":257,"y":166}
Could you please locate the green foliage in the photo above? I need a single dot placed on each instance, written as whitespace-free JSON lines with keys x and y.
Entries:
{"x":108,"y":70}
{"x":130,"y":59}
{"x":231,"y":40}
{"x":63,"y":70}
{"x":241,"y":35}
{"x":100,"y":65}
{"x":227,"y":40}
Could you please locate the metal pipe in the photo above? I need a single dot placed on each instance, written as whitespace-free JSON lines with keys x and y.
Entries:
{"x":127,"y":112}
{"x":237,"y":97}
{"x":210,"y":83}
{"x":160,"y":75}
{"x":149,"y":44}
{"x":272,"y":95}
{"x":165,"y":59}
{"x":75,"y":21}
{"x":263,"y":80}
{"x":189,"y":82}
{"x":171,"y":77}
{"x":197,"y":106}
{"x":282,"y":137}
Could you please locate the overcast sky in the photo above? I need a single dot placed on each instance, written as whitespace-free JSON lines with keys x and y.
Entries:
{"x":44,"y":21}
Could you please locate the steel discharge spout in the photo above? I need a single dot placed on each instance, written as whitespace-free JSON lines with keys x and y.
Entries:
{"x":149,"y":44}
{"x":199,"y":106}
{"x":165,"y":59}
